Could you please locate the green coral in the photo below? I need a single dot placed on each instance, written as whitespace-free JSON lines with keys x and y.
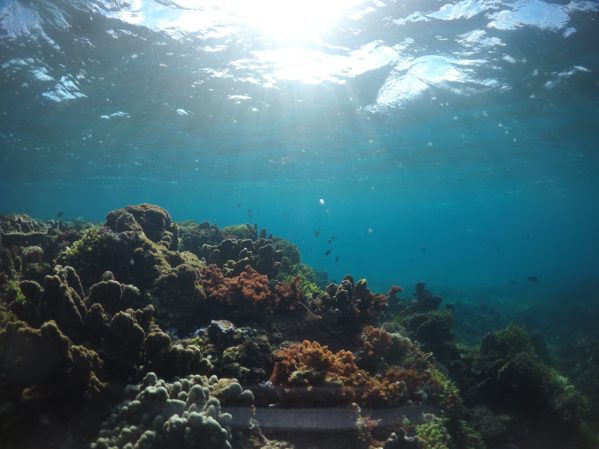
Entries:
{"x":6,"y":317}
{"x":10,"y":290}
{"x":290,"y":251}
{"x":513,"y":338}
{"x":471,"y":438}
{"x":447,"y":387}
{"x":239,"y":231}
{"x":305,"y":285}
{"x":187,"y":224}
{"x":433,"y":433}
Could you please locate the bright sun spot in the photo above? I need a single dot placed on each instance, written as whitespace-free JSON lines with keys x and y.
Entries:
{"x":290,"y":19}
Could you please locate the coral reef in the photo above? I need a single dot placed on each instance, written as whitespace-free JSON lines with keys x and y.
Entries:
{"x":92,"y":317}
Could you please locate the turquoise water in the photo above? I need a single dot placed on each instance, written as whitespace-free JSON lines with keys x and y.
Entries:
{"x":459,"y":129}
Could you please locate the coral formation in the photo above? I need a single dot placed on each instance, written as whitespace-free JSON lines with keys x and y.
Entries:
{"x":232,"y":256}
{"x":21,"y":230}
{"x":191,"y":412}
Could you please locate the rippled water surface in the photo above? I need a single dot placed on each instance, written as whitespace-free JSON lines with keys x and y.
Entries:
{"x":453,"y":143}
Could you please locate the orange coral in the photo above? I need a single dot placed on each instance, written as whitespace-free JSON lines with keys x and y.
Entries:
{"x":248,"y":294}
{"x":316,"y":375}
{"x":377,"y":341}
{"x":310,"y":373}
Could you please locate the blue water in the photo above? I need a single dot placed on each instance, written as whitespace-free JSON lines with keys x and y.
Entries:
{"x":454,"y":144}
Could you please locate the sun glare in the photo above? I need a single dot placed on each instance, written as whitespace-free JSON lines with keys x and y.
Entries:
{"x":291,"y":19}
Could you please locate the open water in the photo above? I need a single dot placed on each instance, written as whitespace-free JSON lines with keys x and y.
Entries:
{"x":454,"y":143}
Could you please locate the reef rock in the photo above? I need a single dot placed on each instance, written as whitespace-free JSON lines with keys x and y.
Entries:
{"x":155,"y":222}
{"x":21,"y":230}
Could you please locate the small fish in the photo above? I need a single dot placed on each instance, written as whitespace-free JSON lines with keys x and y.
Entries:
{"x":60,"y":214}
{"x":249,"y":210}
{"x":533,"y":279}
{"x":333,"y":238}
{"x":215,"y":196}
{"x":527,"y":236}
{"x":249,"y":215}
{"x":317,"y":233}
{"x":239,"y":205}
{"x":513,"y":282}
{"x":423,"y":250}
{"x":337,"y":259}
{"x":328,"y":252}
{"x":330,"y":241}
{"x":411,"y":260}
{"x":499,"y":247}
{"x":284,"y":215}
{"x":320,"y":229}
{"x":337,"y":265}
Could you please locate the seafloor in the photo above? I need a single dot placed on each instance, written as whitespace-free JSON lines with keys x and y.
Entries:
{"x":144,"y":333}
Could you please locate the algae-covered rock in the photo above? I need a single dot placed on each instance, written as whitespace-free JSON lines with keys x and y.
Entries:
{"x":21,"y":230}
{"x":62,"y":302}
{"x":233,"y":255}
{"x":113,"y":296}
{"x":155,"y":222}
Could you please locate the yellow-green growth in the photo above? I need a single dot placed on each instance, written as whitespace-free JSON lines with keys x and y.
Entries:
{"x":433,"y":433}
{"x":471,"y":438}
{"x":10,"y":290}
{"x":7,"y":317}
{"x":306,"y":286}
{"x":513,"y":337}
{"x":239,"y":231}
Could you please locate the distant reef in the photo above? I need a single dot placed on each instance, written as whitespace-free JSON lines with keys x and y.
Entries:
{"x":145,"y":333}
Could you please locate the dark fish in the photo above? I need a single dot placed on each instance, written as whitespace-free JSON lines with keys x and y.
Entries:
{"x":337,"y":259}
{"x":528,"y":236}
{"x":239,"y":205}
{"x":533,"y":279}
{"x":59,"y":214}
{"x":320,"y":229}
{"x":330,"y":241}
{"x":249,"y":215}
{"x":249,"y":210}
{"x":423,"y":250}
{"x":513,"y":282}
{"x":411,"y":260}
{"x":333,"y":238}
{"x":284,"y":215}
{"x":215,"y":197}
{"x":317,"y":233}
{"x":498,"y":247}
{"x":328,"y":252}
{"x":337,"y":265}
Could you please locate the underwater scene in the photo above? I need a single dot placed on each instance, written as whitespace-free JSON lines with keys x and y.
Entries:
{"x":332,"y":224}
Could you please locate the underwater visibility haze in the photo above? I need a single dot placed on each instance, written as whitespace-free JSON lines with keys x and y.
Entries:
{"x":447,"y":147}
